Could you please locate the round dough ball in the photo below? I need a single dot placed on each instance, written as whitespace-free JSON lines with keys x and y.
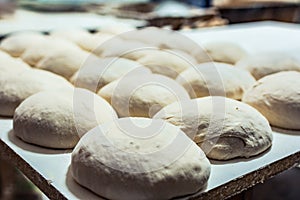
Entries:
{"x":277,"y":97}
{"x":11,"y":64}
{"x":263,"y":64}
{"x":226,"y":52}
{"x":143,"y":95}
{"x":97,"y":72}
{"x":215,"y":79}
{"x":74,"y":35}
{"x":121,"y":161}
{"x":56,"y":119}
{"x":166,"y":62}
{"x":16,"y":44}
{"x":224,"y":128}
{"x":16,"y":87}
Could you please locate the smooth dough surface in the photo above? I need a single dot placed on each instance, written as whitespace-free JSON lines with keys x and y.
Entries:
{"x":224,"y":128}
{"x":16,"y":44}
{"x":277,"y":97}
{"x":11,"y":64}
{"x":166,"y":62}
{"x":17,"y":86}
{"x":215,"y":79}
{"x":55,"y":119}
{"x":263,"y":64}
{"x":223,"y":51}
{"x":143,"y":95}
{"x":115,"y":165}
{"x":97,"y":72}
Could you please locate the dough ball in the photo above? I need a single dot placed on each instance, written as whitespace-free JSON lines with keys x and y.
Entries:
{"x":166,"y":62}
{"x":57,"y":119}
{"x":143,"y":95}
{"x":263,"y":64}
{"x":128,"y":159}
{"x":116,"y":29}
{"x":226,"y":52}
{"x":17,"y":86}
{"x":224,"y":128}
{"x":277,"y":97}
{"x":17,"y":43}
{"x":97,"y":72}
{"x":73,"y":35}
{"x":11,"y":64}
{"x":64,"y":64}
{"x":215,"y":79}
{"x":41,"y":49}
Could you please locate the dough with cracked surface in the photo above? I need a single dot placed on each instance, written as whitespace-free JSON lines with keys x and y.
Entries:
{"x":224,"y":128}
{"x":55,"y":119}
{"x":215,"y":79}
{"x":266,"y":63}
{"x":117,"y":166}
{"x":277,"y":97}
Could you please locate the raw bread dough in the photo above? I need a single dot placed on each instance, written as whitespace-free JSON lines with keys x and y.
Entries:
{"x":55,"y":119}
{"x":153,"y":165}
{"x":11,"y":64}
{"x":223,"y":51}
{"x":166,"y":62}
{"x":277,"y":97}
{"x":17,"y":86}
{"x":224,"y":128}
{"x":215,"y":79}
{"x":143,"y":95}
{"x":49,"y":45}
{"x":16,"y":44}
{"x":97,"y":72}
{"x":262,"y":64}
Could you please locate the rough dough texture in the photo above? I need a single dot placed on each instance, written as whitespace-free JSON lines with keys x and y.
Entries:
{"x":143,"y":95}
{"x":215,"y":79}
{"x":97,"y":72}
{"x":55,"y":119}
{"x":11,"y":64}
{"x":263,"y":64}
{"x":277,"y":97}
{"x":117,"y":166}
{"x":166,"y":62}
{"x":16,"y":44}
{"x":224,"y":128}
{"x":17,"y":86}
{"x":222,"y":51}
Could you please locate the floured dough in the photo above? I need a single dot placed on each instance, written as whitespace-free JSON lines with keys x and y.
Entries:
{"x":56,"y":119}
{"x":97,"y":72}
{"x":215,"y":79}
{"x":222,"y":51}
{"x":16,"y":44}
{"x":224,"y":128}
{"x":262,"y":64}
{"x":168,"y":63}
{"x":17,"y":86}
{"x":155,"y":164}
{"x":143,"y":95}
{"x":11,"y":64}
{"x":277,"y":97}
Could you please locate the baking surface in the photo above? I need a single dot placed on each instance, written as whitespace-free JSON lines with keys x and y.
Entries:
{"x":49,"y":168}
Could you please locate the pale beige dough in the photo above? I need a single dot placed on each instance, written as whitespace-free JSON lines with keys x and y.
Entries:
{"x":55,"y":119}
{"x":215,"y":79}
{"x":11,"y":64}
{"x":16,"y":44}
{"x":115,"y":165}
{"x":265,"y":63}
{"x":223,"y":51}
{"x":17,"y":86}
{"x":143,"y":95}
{"x":277,"y":97}
{"x":97,"y":72}
{"x":224,"y":128}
